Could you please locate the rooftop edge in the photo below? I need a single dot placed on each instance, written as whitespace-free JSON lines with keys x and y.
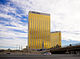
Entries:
{"x":55,"y":32}
{"x":39,"y":13}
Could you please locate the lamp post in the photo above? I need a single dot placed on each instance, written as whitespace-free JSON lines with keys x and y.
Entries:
{"x":43,"y":45}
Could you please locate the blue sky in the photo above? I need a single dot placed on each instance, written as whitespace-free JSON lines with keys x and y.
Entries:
{"x":65,"y":17}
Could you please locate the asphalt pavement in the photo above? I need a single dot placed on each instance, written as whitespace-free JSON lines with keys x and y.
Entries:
{"x":40,"y":56}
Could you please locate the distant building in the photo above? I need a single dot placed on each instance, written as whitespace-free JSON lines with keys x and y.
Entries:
{"x":39,"y":30}
{"x":55,"y":39}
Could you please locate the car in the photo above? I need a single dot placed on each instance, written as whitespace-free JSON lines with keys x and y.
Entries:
{"x":47,"y":53}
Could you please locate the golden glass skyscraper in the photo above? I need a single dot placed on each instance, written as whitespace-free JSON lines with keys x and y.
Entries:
{"x":55,"y":39}
{"x":39,"y":30}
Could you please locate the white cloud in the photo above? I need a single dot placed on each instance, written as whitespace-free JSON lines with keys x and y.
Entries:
{"x":7,"y":16}
{"x":12,"y":38}
{"x":7,"y":8}
{"x":7,"y":31}
{"x":7,"y":35}
{"x":70,"y":36}
{"x":14,"y":43}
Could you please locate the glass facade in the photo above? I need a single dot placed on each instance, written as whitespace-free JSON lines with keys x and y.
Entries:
{"x":39,"y":30}
{"x":55,"y":39}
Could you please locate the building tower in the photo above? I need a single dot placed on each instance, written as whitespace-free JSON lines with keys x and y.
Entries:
{"x":55,"y":39}
{"x":39,"y":30}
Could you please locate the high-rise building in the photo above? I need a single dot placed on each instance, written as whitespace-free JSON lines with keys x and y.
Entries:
{"x":55,"y":39}
{"x":39,"y":30}
{"x":39,"y":36}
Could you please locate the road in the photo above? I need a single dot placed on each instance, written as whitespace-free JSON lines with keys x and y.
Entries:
{"x":41,"y":57}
